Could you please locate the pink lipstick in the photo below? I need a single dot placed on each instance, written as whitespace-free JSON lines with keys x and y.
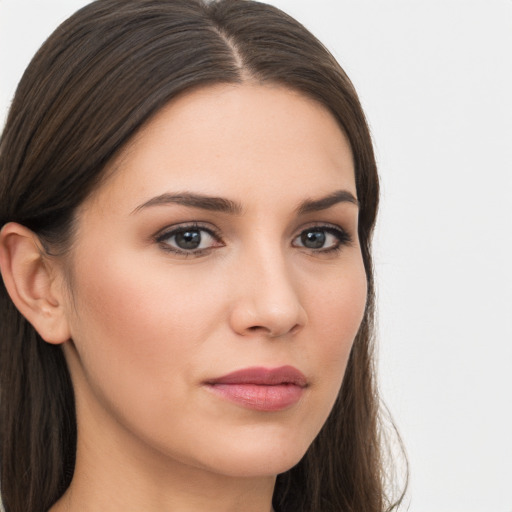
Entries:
{"x":261,"y":389}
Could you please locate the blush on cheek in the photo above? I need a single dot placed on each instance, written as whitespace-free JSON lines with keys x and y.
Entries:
{"x":339,"y":318}
{"x":138,"y":318}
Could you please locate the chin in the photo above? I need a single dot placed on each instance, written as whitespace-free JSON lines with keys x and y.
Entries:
{"x":262,"y":457}
{"x":257,"y":465}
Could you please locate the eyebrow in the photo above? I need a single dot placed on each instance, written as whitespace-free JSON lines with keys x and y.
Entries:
{"x":223,"y":205}
{"x":316,"y":205}
{"x":216,"y":204}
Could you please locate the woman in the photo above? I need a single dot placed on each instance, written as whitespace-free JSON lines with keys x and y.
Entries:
{"x":188,"y":196}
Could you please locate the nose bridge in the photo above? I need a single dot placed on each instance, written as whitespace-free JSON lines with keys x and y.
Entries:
{"x":268,"y":299}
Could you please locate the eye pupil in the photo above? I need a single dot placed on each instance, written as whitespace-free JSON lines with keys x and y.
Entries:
{"x":313,"y":239}
{"x":188,"y":239}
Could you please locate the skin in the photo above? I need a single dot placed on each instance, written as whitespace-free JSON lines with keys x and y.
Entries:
{"x":149,"y":326}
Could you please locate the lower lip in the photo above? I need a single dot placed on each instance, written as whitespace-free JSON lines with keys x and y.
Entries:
{"x":260,"y":397}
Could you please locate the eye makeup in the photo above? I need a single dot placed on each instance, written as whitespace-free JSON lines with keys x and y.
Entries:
{"x":189,"y":239}
{"x":323,"y":238}
{"x":195,"y":239}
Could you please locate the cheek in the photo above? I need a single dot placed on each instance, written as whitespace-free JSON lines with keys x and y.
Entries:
{"x":335,"y":318}
{"x":137,"y":323}
{"x":336,"y":314}
{"x":140,"y":334}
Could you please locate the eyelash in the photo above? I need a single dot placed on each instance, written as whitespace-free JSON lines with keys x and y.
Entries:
{"x":160,"y":238}
{"x":342,"y":236}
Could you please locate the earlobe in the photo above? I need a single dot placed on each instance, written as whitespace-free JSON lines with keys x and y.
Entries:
{"x":29,"y":277}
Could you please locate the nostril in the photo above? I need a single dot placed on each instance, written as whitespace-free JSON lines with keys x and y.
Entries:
{"x":269,"y":332}
{"x":294,"y":329}
{"x":261,"y":316}
{"x":255,"y":328}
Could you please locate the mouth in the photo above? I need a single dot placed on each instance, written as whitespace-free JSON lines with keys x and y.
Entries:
{"x":261,"y":389}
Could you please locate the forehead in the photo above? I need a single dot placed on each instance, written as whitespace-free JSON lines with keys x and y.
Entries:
{"x":240,"y":141}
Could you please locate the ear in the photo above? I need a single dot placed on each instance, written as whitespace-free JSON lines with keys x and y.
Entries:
{"x":31,"y":280}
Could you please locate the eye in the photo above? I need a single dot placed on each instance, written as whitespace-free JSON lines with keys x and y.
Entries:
{"x":191,"y":239}
{"x":322,"y":239}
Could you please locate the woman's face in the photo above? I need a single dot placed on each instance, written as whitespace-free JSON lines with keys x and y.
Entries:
{"x":217,"y":283}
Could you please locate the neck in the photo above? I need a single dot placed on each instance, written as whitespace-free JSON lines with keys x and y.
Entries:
{"x":86,"y":495}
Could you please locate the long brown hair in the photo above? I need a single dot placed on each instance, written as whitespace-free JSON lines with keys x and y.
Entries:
{"x":102,"y":74}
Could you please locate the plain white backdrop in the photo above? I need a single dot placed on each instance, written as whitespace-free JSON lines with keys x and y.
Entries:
{"x":435,"y":79}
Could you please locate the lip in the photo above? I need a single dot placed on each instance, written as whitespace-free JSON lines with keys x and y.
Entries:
{"x":261,"y":389}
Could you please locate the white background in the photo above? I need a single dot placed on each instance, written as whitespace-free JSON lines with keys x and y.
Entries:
{"x":435,"y":78}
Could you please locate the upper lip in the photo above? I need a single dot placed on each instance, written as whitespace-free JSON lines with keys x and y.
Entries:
{"x":263,"y":376}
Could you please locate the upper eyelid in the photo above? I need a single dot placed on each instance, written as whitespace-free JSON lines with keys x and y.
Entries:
{"x":323,"y":225}
{"x":176,"y":228}
{"x":329,"y":228}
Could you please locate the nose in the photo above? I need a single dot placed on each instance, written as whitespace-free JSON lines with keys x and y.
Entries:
{"x":267,"y":302}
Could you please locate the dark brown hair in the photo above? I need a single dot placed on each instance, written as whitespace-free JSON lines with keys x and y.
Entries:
{"x":101,"y":75}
